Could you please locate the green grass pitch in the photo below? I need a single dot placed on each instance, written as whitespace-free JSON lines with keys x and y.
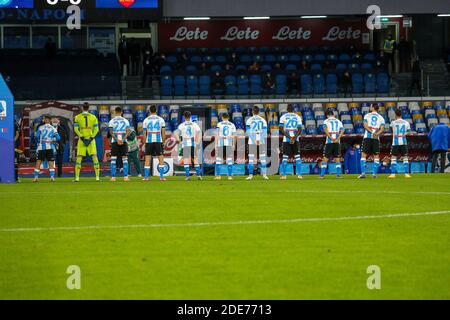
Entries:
{"x":238,"y":239}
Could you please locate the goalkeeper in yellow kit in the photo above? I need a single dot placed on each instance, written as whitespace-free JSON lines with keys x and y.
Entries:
{"x":86,"y":128}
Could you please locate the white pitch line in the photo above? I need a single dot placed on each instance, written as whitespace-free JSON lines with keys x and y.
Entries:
{"x":225,"y":191}
{"x":227,"y":223}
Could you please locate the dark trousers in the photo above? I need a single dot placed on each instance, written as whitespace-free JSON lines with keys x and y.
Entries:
{"x":146,"y":74}
{"x":133,"y":158}
{"x":434,"y":159}
{"x":390,"y":57}
{"x":16,"y":165}
{"x":59,"y":160}
{"x":405,"y":64}
{"x":415,"y":83}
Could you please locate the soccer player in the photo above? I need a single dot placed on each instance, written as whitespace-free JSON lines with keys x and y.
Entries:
{"x":119,"y":128}
{"x":334,"y":130}
{"x":257,"y":133}
{"x":400,"y":129}
{"x":191,"y":136}
{"x":154,"y":128}
{"x":86,"y":128}
{"x":45,"y":137}
{"x":225,"y":142}
{"x":374,"y":127}
{"x":291,"y":128}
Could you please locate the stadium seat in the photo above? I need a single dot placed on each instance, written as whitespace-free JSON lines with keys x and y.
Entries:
{"x":166,"y":85}
{"x":306,"y":84}
{"x":319,"y":83}
{"x":242,"y":85}
{"x":357,"y":83}
{"x":192,"y":85}
{"x":280,"y":84}
{"x":230,"y":85}
{"x":331,"y":83}
{"x":383,"y":82}
{"x":255,"y":84}
{"x":369,"y":83}
{"x":295,"y":58}
{"x":204,"y":83}
{"x":165,"y":69}
{"x":191,"y":68}
{"x":179,"y":84}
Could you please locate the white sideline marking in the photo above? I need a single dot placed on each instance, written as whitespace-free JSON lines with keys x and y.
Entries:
{"x":225,"y":191}
{"x":227,"y":223}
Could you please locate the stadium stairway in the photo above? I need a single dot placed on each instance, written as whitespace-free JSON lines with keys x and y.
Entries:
{"x":437,"y":72}
{"x":131,"y":88}
{"x":400,"y":84}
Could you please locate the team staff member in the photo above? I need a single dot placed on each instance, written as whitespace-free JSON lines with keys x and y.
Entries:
{"x":440,"y":144}
{"x":17,"y":152}
{"x":133,"y":152}
{"x":61,"y":143}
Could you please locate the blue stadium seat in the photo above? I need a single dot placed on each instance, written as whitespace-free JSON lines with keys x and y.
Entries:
{"x":341,"y":67}
{"x":280,"y":84}
{"x":242,"y":83}
{"x":316,"y":67}
{"x":332,"y":57}
{"x":179,"y":84}
{"x":208,"y":59}
{"x":295,"y":58}
{"x":230,"y":85}
{"x":331,"y":81}
{"x":291,"y":67}
{"x":255,"y":84}
{"x":191,"y":68}
{"x":319,"y":83}
{"x":196,"y":59}
{"x":204,"y":83}
{"x":353,"y":67}
{"x":308,"y":57}
{"x":369,"y":83}
{"x":258,"y":58}
{"x":383,"y":82}
{"x":357,"y":82}
{"x":306,"y":84}
{"x":319,"y":57}
{"x":216,"y":67}
{"x":191,"y":51}
{"x":165,"y":69}
{"x":241,"y":67}
{"x":166,"y":85}
{"x":266,"y":67}
{"x":369,"y":56}
{"x":366,"y":66}
{"x":172,"y":59}
{"x":282,"y":58}
{"x":344,"y":57}
{"x":192,"y":85}
{"x":246,"y":59}
{"x":270,"y":58}
{"x":221,"y":59}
